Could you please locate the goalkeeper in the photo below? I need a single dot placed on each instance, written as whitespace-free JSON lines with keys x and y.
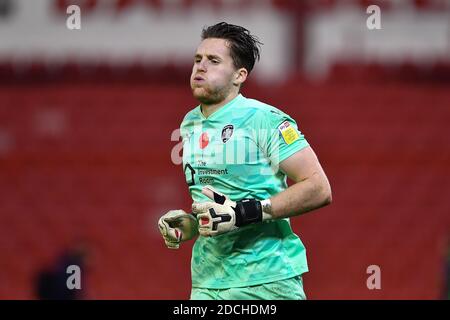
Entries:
{"x":237,"y":155}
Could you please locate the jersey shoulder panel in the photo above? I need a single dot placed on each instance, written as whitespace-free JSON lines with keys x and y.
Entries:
{"x":266,"y":115}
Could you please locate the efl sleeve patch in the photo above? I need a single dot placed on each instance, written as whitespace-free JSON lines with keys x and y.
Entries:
{"x":288,"y":132}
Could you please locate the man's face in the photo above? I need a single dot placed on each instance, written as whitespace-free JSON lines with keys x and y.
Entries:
{"x":213,"y":72}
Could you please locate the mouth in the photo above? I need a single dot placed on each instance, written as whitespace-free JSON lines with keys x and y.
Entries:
{"x":198,"y":78}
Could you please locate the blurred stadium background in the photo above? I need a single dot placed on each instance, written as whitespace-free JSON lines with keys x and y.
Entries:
{"x":86,"y":118}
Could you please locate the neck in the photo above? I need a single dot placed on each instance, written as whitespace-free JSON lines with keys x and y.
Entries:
{"x":209,"y":109}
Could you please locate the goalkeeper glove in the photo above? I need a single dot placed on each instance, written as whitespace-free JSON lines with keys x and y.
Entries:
{"x":177,"y":226}
{"x":224,"y":215}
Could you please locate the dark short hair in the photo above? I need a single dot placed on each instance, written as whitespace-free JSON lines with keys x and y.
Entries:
{"x":244,"y":47}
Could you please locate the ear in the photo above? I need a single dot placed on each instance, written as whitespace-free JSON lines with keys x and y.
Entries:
{"x":240,"y":76}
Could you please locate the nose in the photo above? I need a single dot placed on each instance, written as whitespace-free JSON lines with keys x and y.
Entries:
{"x":201,"y":66}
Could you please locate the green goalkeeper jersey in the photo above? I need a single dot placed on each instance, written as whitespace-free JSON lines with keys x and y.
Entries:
{"x":237,"y":150}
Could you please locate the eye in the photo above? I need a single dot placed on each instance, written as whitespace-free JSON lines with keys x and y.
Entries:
{"x":215,"y":61}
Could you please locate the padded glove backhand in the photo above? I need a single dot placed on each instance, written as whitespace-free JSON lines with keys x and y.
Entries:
{"x":224,"y":215}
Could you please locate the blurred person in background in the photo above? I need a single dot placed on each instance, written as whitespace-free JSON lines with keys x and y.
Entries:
{"x":246,"y":248}
{"x":52,"y":283}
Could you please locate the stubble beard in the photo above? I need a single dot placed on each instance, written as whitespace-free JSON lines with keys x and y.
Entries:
{"x":208,"y":96}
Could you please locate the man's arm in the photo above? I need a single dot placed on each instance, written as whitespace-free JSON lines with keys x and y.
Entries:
{"x":310,"y":191}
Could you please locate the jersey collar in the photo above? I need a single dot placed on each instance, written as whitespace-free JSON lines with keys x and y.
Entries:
{"x":221,"y":109}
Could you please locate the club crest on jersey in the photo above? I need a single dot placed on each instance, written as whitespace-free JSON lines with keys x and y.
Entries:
{"x":227,"y":132}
